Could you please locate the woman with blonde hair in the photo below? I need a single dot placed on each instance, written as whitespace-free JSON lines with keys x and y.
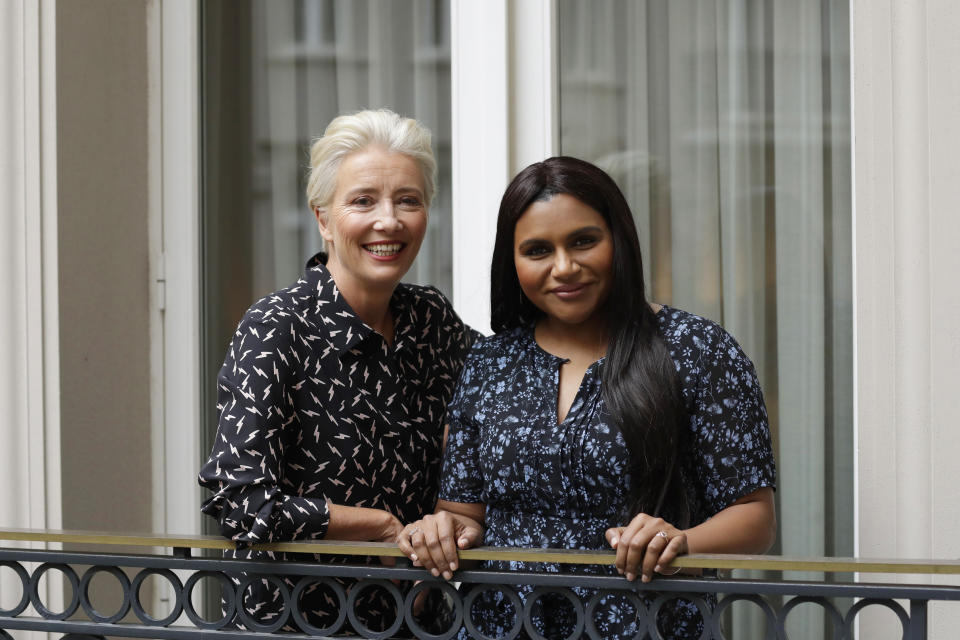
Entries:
{"x":333,"y":392}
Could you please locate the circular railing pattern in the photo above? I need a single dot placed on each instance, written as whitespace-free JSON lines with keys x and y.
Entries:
{"x":646,"y":604}
{"x":137,"y":604}
{"x":87,"y":605}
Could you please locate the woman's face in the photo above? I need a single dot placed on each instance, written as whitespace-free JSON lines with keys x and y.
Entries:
{"x":563,"y":253}
{"x":376,"y":220}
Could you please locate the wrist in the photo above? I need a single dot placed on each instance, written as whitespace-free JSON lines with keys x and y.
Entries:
{"x":389,"y":524}
{"x":360,"y":523}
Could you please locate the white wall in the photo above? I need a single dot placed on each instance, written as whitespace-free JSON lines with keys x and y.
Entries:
{"x":906,"y":101}
{"x":29,"y":457}
{"x":29,"y":376}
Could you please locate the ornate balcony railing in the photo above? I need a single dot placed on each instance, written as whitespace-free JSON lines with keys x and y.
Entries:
{"x":184,"y":572}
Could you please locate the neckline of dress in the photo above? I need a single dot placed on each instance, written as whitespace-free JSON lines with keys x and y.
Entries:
{"x":532,"y":340}
{"x":528,"y":332}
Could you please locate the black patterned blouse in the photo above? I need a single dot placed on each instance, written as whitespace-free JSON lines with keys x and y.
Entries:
{"x":563,"y":485}
{"x":315,"y":406}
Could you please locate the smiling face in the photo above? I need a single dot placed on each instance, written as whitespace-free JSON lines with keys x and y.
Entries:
{"x":375,"y":221}
{"x":563,"y":254}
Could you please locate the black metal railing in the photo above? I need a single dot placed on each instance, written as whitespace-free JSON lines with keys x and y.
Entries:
{"x":184,"y":573}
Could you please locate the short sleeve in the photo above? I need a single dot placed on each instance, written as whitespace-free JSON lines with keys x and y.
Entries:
{"x":462,"y":479}
{"x":732,"y":452}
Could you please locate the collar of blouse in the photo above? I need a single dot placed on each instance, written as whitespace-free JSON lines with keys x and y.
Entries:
{"x":327,"y":308}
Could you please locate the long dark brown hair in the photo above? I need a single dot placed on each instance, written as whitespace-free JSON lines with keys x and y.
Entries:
{"x":640,"y":386}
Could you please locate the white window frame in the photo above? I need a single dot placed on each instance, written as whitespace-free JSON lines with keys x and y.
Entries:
{"x":174,"y":210}
{"x":29,"y":328}
{"x":504,"y":100}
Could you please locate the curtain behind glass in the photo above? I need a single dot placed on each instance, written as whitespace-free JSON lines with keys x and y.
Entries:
{"x":726,"y":123}
{"x":274,"y":74}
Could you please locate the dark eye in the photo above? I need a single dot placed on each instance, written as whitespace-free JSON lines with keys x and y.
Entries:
{"x":585,"y":241}
{"x":410,"y":202}
{"x":363,"y":201}
{"x":535,"y":251}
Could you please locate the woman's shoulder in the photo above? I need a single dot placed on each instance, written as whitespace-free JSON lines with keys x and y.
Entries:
{"x":698,"y":344}
{"x":509,"y":341}
{"x":428,"y":312}
{"x":491,"y":365}
{"x":682,"y":328}
{"x":425,"y":298}
{"x":499,"y":352}
{"x":270,"y":329}
{"x":282,"y":307}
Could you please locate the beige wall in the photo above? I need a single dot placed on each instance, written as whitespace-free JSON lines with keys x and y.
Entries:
{"x":906,"y":97}
{"x":103,"y":283}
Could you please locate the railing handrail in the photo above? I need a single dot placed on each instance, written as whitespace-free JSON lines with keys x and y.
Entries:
{"x":566,"y":556}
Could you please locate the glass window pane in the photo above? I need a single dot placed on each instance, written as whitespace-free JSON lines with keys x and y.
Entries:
{"x":727,"y":125}
{"x":274,"y":73}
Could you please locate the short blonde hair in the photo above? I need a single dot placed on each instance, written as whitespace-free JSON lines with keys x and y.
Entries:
{"x":374,"y":127}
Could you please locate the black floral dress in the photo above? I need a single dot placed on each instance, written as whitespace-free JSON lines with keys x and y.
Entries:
{"x":552,"y":485}
{"x":315,"y":406}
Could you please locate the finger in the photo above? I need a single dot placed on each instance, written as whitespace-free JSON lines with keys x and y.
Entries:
{"x":412,"y":538}
{"x":424,"y":559}
{"x":626,"y":535}
{"x":469,"y":537}
{"x":623,"y":547}
{"x":635,"y":551}
{"x":658,"y":543}
{"x":448,"y":545}
{"x":434,"y":547}
{"x":613,"y":536}
{"x":673,"y":549}
{"x":403,"y":543}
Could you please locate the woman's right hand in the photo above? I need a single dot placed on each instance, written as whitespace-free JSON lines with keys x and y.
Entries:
{"x":432,"y":542}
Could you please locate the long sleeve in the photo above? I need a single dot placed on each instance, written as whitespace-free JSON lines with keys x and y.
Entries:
{"x":258,"y":423}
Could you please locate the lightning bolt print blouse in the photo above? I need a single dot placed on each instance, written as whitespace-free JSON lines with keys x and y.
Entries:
{"x":314,"y":405}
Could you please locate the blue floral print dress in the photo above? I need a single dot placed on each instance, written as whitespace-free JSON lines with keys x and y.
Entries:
{"x":550,"y":485}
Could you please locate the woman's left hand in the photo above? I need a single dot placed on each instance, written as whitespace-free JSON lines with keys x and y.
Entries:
{"x":433,"y":541}
{"x":646,"y":545}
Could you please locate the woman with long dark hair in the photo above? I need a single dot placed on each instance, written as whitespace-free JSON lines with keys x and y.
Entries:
{"x":594,"y":418}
